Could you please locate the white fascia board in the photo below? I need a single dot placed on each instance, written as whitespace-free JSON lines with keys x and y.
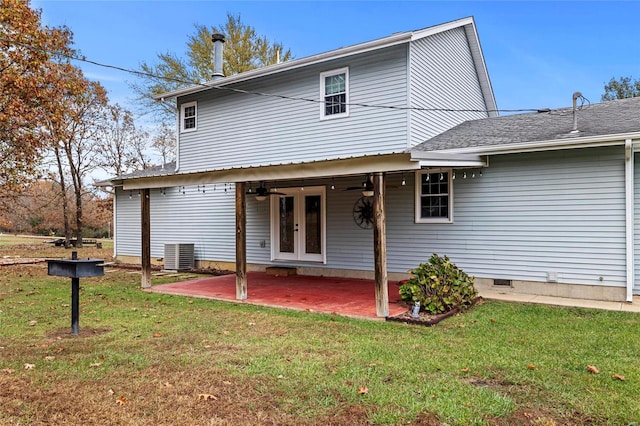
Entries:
{"x":291,"y":65}
{"x":551,"y":145}
{"x":440,"y":159}
{"x":417,"y":35}
{"x":310,"y":170}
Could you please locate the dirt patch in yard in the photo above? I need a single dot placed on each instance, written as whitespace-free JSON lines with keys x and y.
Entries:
{"x":156,"y":396}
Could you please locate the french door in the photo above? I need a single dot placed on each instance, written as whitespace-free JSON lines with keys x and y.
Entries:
{"x":298,"y":224}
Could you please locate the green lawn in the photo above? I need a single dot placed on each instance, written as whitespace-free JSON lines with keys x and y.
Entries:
{"x":145,"y":359}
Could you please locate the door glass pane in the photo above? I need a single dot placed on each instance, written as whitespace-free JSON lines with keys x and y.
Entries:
{"x":286,"y":225}
{"x":313,"y":224}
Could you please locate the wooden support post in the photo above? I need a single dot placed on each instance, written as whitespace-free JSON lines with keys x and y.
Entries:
{"x":241,"y":241}
{"x":145,"y":213}
{"x":380,"y":246}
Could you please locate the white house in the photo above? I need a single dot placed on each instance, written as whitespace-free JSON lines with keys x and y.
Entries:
{"x":343,"y":164}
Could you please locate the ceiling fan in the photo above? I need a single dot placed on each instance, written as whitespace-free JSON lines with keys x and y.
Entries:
{"x":262,"y":192}
{"x":366,"y":187}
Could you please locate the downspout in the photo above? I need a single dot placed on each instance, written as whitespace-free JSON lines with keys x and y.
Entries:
{"x":629,"y":213}
{"x":114,"y":215}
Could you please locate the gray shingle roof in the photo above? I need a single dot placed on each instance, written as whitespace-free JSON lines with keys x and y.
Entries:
{"x":167,"y":169}
{"x":607,"y":118}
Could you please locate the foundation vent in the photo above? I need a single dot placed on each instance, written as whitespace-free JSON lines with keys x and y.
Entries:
{"x":502,"y":283}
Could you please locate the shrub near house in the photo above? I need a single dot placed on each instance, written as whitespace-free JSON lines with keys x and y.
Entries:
{"x":439,"y":286}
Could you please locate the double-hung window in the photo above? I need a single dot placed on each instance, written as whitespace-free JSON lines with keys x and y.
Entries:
{"x":434,"y":196}
{"x":188,"y":115}
{"x":334,"y":92}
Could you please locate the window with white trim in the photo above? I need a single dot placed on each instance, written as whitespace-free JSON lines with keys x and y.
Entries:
{"x":188,"y":115}
{"x":434,"y":196}
{"x":334,"y":92}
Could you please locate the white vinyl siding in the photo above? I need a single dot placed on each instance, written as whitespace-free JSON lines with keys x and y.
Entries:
{"x":201,"y":215}
{"x":241,"y":130}
{"x":527,"y":215}
{"x":443,"y":76}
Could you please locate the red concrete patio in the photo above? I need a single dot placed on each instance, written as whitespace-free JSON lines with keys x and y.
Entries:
{"x":343,"y":296}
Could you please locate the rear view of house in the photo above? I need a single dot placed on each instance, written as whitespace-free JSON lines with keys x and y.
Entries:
{"x":363,"y":161}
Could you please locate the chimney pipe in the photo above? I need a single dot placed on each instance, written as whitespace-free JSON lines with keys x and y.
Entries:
{"x":218,"y":42}
{"x":576,"y":96}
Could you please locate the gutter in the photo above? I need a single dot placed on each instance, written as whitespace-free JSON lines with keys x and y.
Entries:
{"x":629,"y":216}
{"x":549,"y":145}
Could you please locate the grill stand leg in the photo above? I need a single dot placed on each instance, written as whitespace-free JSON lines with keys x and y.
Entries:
{"x":75,"y":306}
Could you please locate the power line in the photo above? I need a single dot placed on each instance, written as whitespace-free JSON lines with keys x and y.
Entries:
{"x":251,"y":92}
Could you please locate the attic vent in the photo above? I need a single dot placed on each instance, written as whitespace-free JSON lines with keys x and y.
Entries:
{"x":178,"y":256}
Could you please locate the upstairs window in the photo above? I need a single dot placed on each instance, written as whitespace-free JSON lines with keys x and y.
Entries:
{"x":188,"y":115}
{"x":334,"y":91}
{"x":434,"y":196}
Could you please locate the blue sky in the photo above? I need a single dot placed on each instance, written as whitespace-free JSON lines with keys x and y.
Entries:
{"x":537,"y":53}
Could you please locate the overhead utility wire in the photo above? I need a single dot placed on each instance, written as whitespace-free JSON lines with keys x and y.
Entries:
{"x":250,"y":92}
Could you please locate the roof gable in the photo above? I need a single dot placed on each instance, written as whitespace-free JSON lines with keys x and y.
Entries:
{"x":395,"y":39}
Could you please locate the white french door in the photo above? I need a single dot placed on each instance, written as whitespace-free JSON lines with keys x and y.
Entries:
{"x":298,"y":224}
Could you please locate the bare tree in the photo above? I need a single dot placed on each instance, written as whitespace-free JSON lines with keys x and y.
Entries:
{"x":121,"y":146}
{"x":71,"y":137}
{"x":164,"y":142}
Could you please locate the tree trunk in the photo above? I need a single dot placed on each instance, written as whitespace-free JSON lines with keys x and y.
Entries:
{"x":63,"y":193}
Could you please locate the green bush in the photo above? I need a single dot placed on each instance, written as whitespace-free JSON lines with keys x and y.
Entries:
{"x":439,"y":286}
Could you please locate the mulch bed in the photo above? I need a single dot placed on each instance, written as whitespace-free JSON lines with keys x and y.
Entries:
{"x":426,"y":319}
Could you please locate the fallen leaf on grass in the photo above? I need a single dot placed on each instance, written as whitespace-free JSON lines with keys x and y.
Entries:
{"x":8,"y":370}
{"x":121,"y":400}
{"x":226,"y":382}
{"x":493,"y":320}
{"x":95,"y":364}
{"x":593,"y":369}
{"x":464,"y":370}
{"x":33,"y":322}
{"x":618,"y":377}
{"x":207,"y":397}
{"x":111,"y":392}
{"x":49,"y":358}
{"x":363,"y":390}
{"x":531,"y":366}
{"x":29,"y":366}
{"x":157,"y":334}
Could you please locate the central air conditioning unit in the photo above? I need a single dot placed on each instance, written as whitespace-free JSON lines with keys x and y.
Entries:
{"x":178,"y":256}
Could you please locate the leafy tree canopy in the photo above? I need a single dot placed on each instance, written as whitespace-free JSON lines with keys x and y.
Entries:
{"x":29,"y":88}
{"x":244,"y":50}
{"x":622,"y":88}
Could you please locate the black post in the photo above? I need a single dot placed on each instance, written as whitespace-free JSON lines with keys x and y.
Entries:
{"x":75,"y":306}
{"x":75,"y":300}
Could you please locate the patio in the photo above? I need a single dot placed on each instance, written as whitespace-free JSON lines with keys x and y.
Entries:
{"x":351,"y":297}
